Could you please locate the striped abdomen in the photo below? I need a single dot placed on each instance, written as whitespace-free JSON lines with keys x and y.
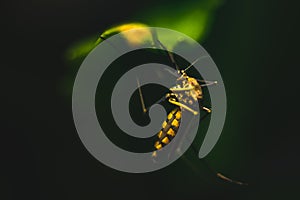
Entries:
{"x":169,"y":129}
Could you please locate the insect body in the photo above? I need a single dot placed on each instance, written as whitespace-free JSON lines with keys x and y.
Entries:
{"x":184,"y":96}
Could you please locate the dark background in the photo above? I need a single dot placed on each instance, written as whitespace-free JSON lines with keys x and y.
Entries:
{"x":255,"y":45}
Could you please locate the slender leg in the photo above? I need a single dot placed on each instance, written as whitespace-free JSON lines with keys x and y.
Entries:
{"x":218,"y":174}
{"x":169,"y":54}
{"x":207,"y":83}
{"x":208,"y":111}
{"x":159,"y":43}
{"x":221,"y":176}
{"x":141,"y":96}
{"x":182,"y":89}
{"x":144,"y":108}
{"x":173,"y":101}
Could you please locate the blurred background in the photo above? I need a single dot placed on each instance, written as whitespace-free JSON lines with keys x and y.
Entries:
{"x":254,"y":44}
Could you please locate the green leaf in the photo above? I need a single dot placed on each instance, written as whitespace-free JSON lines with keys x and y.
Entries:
{"x":193,"y":18}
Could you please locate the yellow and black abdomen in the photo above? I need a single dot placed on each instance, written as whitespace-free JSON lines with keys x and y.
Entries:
{"x":169,"y":128}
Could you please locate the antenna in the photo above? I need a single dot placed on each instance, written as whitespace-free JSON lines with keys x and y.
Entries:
{"x":201,"y":57}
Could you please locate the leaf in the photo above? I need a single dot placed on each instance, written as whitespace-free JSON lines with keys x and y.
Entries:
{"x":193,"y":18}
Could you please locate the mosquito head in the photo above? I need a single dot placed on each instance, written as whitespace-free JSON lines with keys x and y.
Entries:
{"x":182,"y":74}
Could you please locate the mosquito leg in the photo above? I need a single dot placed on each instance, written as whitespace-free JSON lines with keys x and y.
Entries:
{"x":169,"y":54}
{"x":207,"y":112}
{"x":141,"y":96}
{"x":218,"y":174}
{"x":221,"y":176}
{"x":144,"y":108}
{"x":173,"y":101}
{"x":206,"y":109}
{"x":209,"y":83}
{"x":182,"y":89}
